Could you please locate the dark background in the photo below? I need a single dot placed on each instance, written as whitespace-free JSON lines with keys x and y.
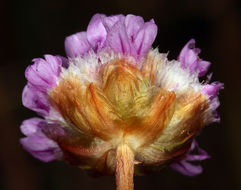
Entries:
{"x":30,"y":29}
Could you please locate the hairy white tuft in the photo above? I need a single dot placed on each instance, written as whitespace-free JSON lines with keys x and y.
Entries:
{"x":172,"y":77}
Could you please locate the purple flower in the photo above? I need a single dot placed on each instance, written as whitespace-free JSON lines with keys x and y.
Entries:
{"x":128,"y":35}
{"x":115,"y":103}
{"x":42,"y":76}
{"x":44,"y":73}
{"x":190,"y":60}
{"x":185,"y":166}
{"x":37,"y":143}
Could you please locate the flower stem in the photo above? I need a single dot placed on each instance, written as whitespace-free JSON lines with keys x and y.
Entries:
{"x":124,"y":167}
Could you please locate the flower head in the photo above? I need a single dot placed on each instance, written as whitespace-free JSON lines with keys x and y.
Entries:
{"x":116,"y":105}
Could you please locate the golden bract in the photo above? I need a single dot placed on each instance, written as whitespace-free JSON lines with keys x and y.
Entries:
{"x":125,"y":106}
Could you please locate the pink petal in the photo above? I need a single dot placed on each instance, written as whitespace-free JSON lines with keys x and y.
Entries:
{"x":65,"y":61}
{"x":194,"y":154}
{"x":133,"y":24}
{"x":96,"y":32}
{"x":76,"y":44}
{"x":41,"y":148}
{"x":110,"y":21}
{"x":37,"y":143}
{"x":44,"y":73}
{"x":202,"y":67}
{"x":199,"y":154}
{"x":187,"y":168}
{"x":189,"y":59}
{"x":188,"y":55}
{"x":30,"y":126}
{"x":212,"y":89}
{"x":144,"y":38}
{"x":54,"y":63}
{"x":118,"y":40}
{"x":39,"y":74}
{"x":35,"y":100}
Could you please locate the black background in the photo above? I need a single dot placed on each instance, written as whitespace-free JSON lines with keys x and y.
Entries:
{"x":31,"y":29}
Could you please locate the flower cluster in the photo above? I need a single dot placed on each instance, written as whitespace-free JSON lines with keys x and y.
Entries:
{"x":114,"y":97}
